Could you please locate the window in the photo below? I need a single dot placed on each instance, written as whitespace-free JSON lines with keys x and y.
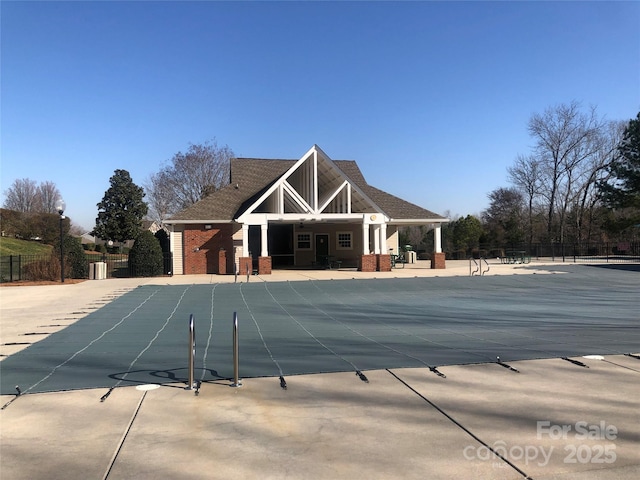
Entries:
{"x":304,"y":241}
{"x":343,"y":241}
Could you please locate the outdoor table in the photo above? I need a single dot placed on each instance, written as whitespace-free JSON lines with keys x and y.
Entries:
{"x":516,"y":256}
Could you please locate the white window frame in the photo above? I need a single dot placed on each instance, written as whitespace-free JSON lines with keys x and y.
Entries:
{"x":339,"y":246}
{"x":309,"y":240}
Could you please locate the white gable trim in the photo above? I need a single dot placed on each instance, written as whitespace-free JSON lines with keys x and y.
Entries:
{"x":275,"y":186}
{"x":296,"y":197}
{"x":333,"y":195}
{"x":310,"y":184}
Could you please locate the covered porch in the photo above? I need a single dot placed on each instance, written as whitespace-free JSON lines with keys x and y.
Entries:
{"x":365,"y":243}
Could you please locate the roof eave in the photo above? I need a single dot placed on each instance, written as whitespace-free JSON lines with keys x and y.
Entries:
{"x":416,"y":221}
{"x":194,"y":222}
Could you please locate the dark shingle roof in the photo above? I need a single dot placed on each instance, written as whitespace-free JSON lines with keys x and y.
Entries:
{"x":392,"y":206}
{"x":250,"y":177}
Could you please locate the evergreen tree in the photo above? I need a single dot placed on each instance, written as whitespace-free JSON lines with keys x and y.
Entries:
{"x":466,"y":233}
{"x":121,"y":210}
{"x":623,"y":190}
{"x":145,"y":257}
{"x":503,"y":219}
{"x":76,"y":259}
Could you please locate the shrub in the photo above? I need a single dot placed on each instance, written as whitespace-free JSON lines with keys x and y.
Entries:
{"x":145,"y":257}
{"x":76,"y":259}
{"x":163,"y":238}
{"x":43,"y":269}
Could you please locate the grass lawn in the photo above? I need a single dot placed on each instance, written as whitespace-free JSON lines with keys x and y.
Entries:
{"x":14,"y":246}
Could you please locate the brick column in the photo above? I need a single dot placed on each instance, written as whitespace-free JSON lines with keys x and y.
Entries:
{"x":264,"y":265}
{"x":438,"y":260}
{"x":383,"y":262}
{"x":245,"y":263}
{"x":222,"y":262}
{"x":368,"y":263}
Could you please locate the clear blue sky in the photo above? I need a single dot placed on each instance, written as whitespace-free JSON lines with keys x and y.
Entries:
{"x":431,"y":99}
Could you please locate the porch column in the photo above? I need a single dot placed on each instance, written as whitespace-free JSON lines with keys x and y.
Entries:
{"x":437,"y":257}
{"x":245,"y":240}
{"x":264,"y":250}
{"x":383,"y":238}
{"x":437,"y":238}
{"x":365,"y":239}
{"x":376,"y":239}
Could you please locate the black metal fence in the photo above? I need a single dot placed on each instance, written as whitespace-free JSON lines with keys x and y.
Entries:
{"x":609,"y":252}
{"x":14,"y":268}
{"x":46,"y":267}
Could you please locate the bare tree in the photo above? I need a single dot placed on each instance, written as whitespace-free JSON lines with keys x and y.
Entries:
{"x":48,"y":195}
{"x":26,"y":195}
{"x":526,"y":175}
{"x":159,"y":196}
{"x":413,"y":235}
{"x":22,"y":196}
{"x":593,"y":171}
{"x":188,"y":178}
{"x":565,"y":137}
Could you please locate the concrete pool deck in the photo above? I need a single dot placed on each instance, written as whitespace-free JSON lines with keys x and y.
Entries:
{"x":550,"y":420}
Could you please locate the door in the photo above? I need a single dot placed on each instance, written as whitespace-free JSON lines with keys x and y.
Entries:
{"x":322,"y":248}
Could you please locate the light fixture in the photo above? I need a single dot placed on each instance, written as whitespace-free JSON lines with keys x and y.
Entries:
{"x":60,"y":207}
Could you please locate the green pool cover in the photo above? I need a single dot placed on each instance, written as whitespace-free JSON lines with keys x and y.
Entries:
{"x":290,"y":328}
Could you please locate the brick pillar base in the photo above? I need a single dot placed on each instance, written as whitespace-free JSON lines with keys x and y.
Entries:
{"x":383,"y":262}
{"x":245,"y":264}
{"x":368,"y":263}
{"x":438,"y":260}
{"x":264,"y":265}
{"x":222,"y":262}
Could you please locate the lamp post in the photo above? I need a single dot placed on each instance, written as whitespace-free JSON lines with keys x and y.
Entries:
{"x":60,"y":206}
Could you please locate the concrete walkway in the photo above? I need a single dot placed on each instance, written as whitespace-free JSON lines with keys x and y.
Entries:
{"x":550,"y":420}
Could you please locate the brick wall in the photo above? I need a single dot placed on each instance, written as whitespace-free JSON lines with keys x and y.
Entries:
{"x":264,"y":265}
{"x":384,"y":263}
{"x":222,"y":262}
{"x":202,"y":246}
{"x":244,"y":263}
{"x":368,"y":263}
{"x":438,"y":260}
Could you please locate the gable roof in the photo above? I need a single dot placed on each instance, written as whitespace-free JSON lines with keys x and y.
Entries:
{"x":313,"y":185}
{"x":251,"y":178}
{"x":394,"y":207}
